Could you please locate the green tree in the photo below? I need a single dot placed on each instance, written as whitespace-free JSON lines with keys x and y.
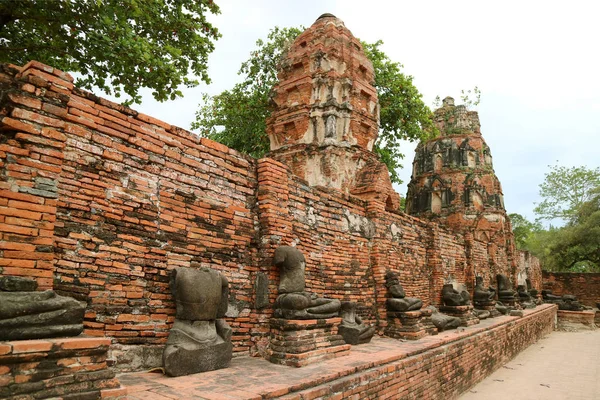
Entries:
{"x":119,"y":46}
{"x":236,"y":117}
{"x":576,"y":247}
{"x":572,"y":194}
{"x":565,"y":190}
{"x":523,"y":230}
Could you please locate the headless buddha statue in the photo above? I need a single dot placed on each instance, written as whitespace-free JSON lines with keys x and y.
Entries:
{"x":293,"y":302}
{"x":352,"y":328}
{"x":452,"y":297}
{"x":200,"y":339}
{"x":481,"y":295}
{"x":397,"y":300}
{"x":505,"y":290}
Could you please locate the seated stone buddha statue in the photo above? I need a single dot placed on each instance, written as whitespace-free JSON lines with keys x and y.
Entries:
{"x":397,"y":300}
{"x":293,"y":301}
{"x":452,"y":297}
{"x":481,"y":295}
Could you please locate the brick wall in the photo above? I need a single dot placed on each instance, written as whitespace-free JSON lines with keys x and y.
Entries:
{"x":100,"y":202}
{"x":443,"y":372}
{"x":53,"y":368}
{"x":585,"y":286}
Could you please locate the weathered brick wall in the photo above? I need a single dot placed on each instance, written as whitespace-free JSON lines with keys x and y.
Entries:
{"x":585,"y":286}
{"x":101,"y":202}
{"x":133,"y":197}
{"x":443,"y":372}
{"x":329,"y":228}
{"x":57,"y":368}
{"x":31,"y":158}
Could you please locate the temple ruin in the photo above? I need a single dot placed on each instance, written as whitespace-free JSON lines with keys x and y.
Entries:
{"x":101,"y":203}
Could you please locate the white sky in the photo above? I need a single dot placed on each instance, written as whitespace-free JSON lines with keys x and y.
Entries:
{"x":535,"y":62}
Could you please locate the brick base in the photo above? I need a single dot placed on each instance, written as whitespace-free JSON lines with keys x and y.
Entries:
{"x":427,"y":322}
{"x":405,"y":325}
{"x":465,"y":313}
{"x":574,"y":320}
{"x":302,"y":342}
{"x":491,"y":308}
{"x":63,"y":367}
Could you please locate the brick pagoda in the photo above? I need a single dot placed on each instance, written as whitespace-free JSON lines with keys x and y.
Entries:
{"x":453,"y":182}
{"x":326,"y":117}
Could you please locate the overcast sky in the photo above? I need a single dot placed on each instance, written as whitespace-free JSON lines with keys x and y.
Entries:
{"x":537,"y":64}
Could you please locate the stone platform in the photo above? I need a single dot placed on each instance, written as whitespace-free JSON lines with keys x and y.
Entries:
{"x":384,"y":368}
{"x":70,"y":368}
{"x":576,"y":320}
{"x":298,"y":343}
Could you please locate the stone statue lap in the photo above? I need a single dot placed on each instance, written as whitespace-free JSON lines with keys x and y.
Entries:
{"x":29,"y":314}
{"x":293,"y":301}
{"x":451,"y":297}
{"x":442,"y":321}
{"x":481,"y":295}
{"x":397,"y":300}
{"x":352,"y":328}
{"x":199,"y":339}
{"x":567,"y":302}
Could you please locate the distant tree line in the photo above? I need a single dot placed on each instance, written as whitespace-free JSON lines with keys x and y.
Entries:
{"x":572,"y":196}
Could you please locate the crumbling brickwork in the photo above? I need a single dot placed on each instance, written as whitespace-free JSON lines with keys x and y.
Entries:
{"x":133,"y":197}
{"x":326,"y":115}
{"x":101,"y":202}
{"x":57,"y":368}
{"x":453,"y":183}
{"x":444,"y":371}
{"x":585,"y":286}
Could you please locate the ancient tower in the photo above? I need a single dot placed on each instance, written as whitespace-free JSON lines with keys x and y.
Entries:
{"x":326,"y":114}
{"x":453,"y":180}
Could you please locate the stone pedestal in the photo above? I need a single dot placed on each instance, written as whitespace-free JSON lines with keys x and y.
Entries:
{"x":405,"y":325}
{"x":491,"y":308}
{"x":427,"y":322}
{"x":302,"y":342}
{"x":463,"y":312}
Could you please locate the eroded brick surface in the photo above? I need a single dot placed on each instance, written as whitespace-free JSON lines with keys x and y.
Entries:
{"x":57,"y":368}
{"x":126,"y":198}
{"x":585,"y":286}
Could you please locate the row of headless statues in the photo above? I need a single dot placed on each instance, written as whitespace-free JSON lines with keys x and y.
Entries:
{"x":200,"y":336}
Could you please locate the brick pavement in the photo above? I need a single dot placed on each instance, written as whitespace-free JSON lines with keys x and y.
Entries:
{"x":563,"y":365}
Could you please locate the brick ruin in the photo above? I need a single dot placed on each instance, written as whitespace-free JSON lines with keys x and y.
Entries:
{"x":100,"y":202}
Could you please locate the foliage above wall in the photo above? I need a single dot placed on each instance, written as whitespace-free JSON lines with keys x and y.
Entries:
{"x":236,"y":117}
{"x":119,"y":46}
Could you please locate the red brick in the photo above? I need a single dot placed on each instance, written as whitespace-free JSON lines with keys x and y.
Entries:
{"x":81,"y":343}
{"x":31,"y":346}
{"x":27,"y":101}
{"x":20,"y":125}
{"x":35,"y":117}
{"x":5,"y":349}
